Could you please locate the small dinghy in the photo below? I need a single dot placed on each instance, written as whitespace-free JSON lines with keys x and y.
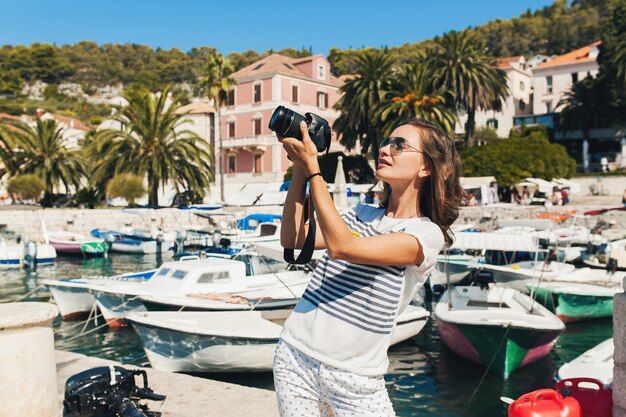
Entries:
{"x":499,"y":328}
{"x":595,"y":363}
{"x":238,"y":341}
{"x":68,"y":243}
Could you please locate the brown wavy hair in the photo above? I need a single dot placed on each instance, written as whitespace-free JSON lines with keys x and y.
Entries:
{"x":441,"y":193}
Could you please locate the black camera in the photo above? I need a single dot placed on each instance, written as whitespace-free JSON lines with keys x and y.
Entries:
{"x":286,"y":123}
{"x":108,"y":391}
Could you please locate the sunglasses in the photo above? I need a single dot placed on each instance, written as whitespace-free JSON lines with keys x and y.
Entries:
{"x":397,"y":145}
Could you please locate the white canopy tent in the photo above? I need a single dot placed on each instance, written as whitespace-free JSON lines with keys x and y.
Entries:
{"x":494,"y":241}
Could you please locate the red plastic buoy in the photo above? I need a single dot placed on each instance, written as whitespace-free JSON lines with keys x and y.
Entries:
{"x":544,"y":403}
{"x":595,"y":400}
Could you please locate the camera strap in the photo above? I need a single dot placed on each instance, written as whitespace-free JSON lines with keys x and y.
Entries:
{"x":309,"y":243}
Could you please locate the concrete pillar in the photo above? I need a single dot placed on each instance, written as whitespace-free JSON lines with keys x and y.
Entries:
{"x":28,"y":380}
{"x":619,"y":356}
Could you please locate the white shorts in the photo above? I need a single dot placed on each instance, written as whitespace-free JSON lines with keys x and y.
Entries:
{"x":305,"y":387}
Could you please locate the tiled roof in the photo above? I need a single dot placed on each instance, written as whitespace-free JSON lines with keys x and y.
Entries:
{"x":279,"y":64}
{"x":199,"y":107}
{"x":9,"y":116}
{"x":504,"y":63}
{"x":575,"y":56}
{"x":77,"y":124}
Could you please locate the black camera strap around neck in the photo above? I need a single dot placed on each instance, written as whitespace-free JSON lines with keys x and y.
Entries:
{"x":309,"y":243}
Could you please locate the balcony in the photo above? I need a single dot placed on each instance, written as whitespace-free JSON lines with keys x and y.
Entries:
{"x":534,"y":119}
{"x":249,"y":142}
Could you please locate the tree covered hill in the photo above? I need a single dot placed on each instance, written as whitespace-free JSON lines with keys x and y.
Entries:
{"x":554,"y":29}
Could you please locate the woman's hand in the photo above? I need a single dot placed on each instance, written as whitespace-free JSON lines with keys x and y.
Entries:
{"x":302,"y":153}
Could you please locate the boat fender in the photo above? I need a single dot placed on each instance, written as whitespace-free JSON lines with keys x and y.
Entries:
{"x":545,"y":403}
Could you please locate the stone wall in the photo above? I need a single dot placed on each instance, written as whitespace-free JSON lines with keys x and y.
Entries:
{"x":619,"y":356}
{"x":611,"y":185}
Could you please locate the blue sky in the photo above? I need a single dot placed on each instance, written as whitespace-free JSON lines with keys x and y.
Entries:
{"x":239,"y":25}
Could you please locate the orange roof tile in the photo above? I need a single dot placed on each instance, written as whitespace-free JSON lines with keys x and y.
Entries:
{"x":276,"y":63}
{"x":199,"y":107}
{"x":68,"y":121}
{"x":9,"y":116}
{"x":504,"y":63}
{"x":575,"y":56}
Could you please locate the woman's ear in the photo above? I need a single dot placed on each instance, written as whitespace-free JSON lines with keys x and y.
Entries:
{"x":424,"y":171}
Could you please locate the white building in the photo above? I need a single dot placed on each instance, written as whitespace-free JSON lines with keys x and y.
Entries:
{"x":73,"y":130}
{"x":518,"y":102}
{"x":553,"y":78}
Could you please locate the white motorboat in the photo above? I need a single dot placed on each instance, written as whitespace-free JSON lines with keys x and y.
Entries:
{"x":210,"y":276}
{"x":137,"y":241}
{"x":74,"y":298}
{"x":596,"y":363}
{"x":229,"y":341}
{"x":615,"y":252}
{"x":16,"y":255}
{"x":497,"y":327}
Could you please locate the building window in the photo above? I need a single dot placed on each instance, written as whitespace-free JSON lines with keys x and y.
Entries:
{"x":256,"y":127}
{"x":232,"y":161}
{"x":521,"y":86}
{"x":321,"y":72}
{"x":294,"y":93}
{"x":230,"y":101}
{"x":231,"y":129}
{"x":549,"y":107}
{"x":258,"y":159}
{"x":574,"y":77}
{"x":492,"y":123}
{"x":522,"y":105}
{"x":257,"y":93}
{"x":322,"y":100}
{"x":549,"y":83}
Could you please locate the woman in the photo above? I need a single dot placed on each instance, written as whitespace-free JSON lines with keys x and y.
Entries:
{"x":332,"y":355}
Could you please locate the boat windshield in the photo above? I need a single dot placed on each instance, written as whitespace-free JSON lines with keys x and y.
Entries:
{"x":163,"y":272}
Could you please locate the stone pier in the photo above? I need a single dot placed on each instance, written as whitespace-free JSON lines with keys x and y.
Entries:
{"x":187,"y":396}
{"x":619,"y":357}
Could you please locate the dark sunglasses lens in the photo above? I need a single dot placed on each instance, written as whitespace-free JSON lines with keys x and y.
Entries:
{"x":384,"y":143}
{"x":398,"y":144}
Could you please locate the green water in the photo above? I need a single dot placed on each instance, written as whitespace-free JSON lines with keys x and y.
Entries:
{"x":424,"y":379}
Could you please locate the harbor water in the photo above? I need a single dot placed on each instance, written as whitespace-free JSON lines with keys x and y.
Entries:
{"x":424,"y":378}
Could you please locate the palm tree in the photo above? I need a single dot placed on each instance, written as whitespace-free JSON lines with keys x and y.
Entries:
{"x":151,"y":143}
{"x":363,"y":92}
{"x":218,"y":84}
{"x":412,"y":95}
{"x":7,"y":155}
{"x":42,"y":150}
{"x":581,"y":106}
{"x":462,"y":66}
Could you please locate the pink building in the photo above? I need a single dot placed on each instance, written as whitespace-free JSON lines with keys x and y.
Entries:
{"x":251,"y":152}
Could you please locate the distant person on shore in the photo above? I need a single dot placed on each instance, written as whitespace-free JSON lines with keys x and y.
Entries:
{"x":565,"y":196}
{"x":624,"y":198}
{"x":332,"y":354}
{"x":526,"y":197}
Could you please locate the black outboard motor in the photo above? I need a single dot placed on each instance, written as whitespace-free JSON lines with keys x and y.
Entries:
{"x":611,"y":265}
{"x":482,"y":278}
{"x":108,"y":392}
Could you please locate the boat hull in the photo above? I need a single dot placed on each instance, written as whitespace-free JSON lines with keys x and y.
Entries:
{"x":501,"y":349}
{"x":575,"y":307}
{"x":74,"y":302}
{"x":114,"y":307}
{"x":179,"y":351}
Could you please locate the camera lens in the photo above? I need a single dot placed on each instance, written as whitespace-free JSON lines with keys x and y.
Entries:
{"x":286,"y":122}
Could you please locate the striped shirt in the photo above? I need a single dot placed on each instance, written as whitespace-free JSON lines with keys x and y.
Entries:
{"x":348,"y":311}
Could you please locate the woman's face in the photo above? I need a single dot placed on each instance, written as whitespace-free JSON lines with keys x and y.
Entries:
{"x":404,"y":167}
